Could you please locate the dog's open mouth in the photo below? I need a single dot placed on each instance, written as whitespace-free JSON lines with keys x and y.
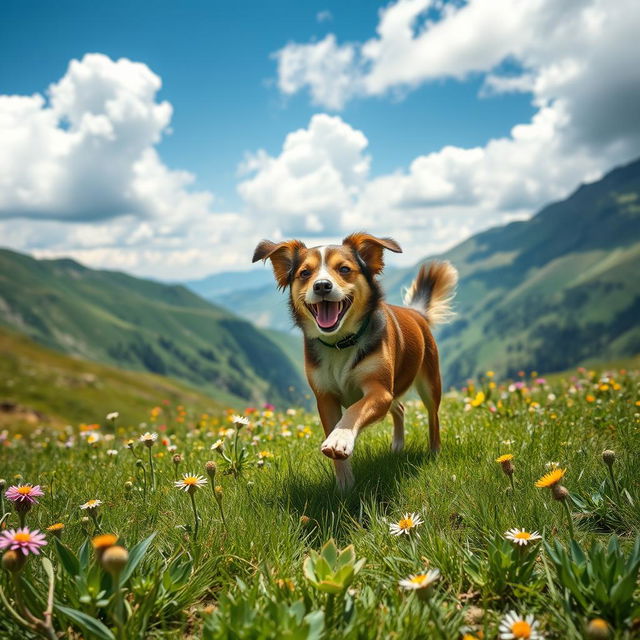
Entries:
{"x":328,"y":313}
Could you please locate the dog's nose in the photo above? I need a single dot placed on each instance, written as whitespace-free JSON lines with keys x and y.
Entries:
{"x":322,"y":286}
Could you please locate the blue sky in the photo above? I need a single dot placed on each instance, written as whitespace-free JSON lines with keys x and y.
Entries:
{"x":215,"y":62}
{"x":404,"y":112}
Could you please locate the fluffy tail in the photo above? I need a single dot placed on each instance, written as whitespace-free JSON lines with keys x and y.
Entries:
{"x":432,"y":291}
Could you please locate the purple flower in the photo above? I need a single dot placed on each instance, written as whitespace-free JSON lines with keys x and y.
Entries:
{"x":24,"y":493}
{"x":23,"y":540}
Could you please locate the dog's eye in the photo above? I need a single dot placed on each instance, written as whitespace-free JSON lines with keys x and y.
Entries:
{"x":305,"y":273}
{"x":344,"y":269}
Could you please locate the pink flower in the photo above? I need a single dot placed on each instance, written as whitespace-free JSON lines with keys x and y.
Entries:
{"x":24,"y":493}
{"x":22,"y":539}
{"x":269,"y":407}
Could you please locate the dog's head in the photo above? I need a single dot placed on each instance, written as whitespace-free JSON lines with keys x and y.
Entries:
{"x":333,"y":286}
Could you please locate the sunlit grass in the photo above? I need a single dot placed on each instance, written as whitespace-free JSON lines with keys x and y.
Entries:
{"x":276,"y":492}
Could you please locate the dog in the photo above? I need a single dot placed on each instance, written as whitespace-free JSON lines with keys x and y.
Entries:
{"x":362,"y":354}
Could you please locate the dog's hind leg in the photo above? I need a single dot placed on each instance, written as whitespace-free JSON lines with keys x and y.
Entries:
{"x":397,"y":413}
{"x":429,"y":389}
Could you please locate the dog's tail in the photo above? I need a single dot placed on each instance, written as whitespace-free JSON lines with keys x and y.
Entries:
{"x":432,"y":291}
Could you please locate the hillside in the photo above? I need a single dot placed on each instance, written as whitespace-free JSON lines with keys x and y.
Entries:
{"x":545,"y":294}
{"x":138,"y":324}
{"x":39,"y":386}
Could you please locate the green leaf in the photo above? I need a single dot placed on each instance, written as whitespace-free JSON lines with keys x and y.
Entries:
{"x":84,"y":555}
{"x":91,"y":626}
{"x":48,"y":568}
{"x":135,"y":557}
{"x":68,"y":559}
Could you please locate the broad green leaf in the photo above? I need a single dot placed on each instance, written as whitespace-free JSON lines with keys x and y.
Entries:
{"x":92,"y":627}
{"x":68,"y":559}
{"x":135,"y":557}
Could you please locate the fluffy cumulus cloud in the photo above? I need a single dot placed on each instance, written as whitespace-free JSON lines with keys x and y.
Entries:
{"x":80,"y":175}
{"x":576,"y":60}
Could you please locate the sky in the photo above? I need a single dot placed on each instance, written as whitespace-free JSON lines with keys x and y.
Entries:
{"x":166,"y":139}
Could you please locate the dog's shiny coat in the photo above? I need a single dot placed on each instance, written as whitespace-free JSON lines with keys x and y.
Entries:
{"x":362,"y":354}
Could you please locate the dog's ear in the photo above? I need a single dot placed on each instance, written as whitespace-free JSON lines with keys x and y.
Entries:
{"x":370,"y":249}
{"x":284,"y":258}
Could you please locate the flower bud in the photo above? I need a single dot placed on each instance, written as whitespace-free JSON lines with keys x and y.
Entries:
{"x":3,"y":484}
{"x":103,"y":542}
{"x":13,"y":561}
{"x":218,"y":493}
{"x":139,"y":464}
{"x":305,"y":520}
{"x":598,"y":629}
{"x":177,"y":459}
{"x":128,"y":486}
{"x":608,"y":457}
{"x":211,"y":468}
{"x":114,"y":559}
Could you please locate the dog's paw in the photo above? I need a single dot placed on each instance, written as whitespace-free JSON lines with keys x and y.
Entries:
{"x":339,"y":444}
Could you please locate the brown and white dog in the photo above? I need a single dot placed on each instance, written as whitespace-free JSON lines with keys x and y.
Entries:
{"x":362,"y":354}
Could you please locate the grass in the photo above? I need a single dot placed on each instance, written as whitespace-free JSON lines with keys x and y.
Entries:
{"x":244,"y":578}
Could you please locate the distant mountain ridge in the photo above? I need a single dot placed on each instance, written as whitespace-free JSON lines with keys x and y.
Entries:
{"x":116,"y":319}
{"x":545,"y":294}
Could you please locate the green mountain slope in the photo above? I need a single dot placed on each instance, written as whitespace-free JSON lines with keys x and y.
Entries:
{"x":132,"y":323}
{"x":550,"y":292}
{"x":42,"y":386}
{"x":545,"y":294}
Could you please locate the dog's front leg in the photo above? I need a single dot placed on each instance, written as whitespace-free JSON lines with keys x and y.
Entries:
{"x":330,"y":412}
{"x":373,"y":406}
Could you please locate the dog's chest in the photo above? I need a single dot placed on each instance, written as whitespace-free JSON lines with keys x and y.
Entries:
{"x":334,"y":374}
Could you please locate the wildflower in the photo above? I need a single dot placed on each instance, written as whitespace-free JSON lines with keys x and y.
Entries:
{"x":514,"y":626}
{"x":420,"y":581}
{"x":191,"y":483}
{"x":240,"y":421}
{"x":551,"y":479}
{"x":148,"y":439}
{"x":93,"y":438}
{"x":114,"y":559}
{"x":24,"y":495}
{"x":552,"y":465}
{"x":112,"y":453}
{"x":265,"y":454}
{"x":113,"y":416}
{"x":598,"y":629}
{"x":130,"y":443}
{"x":506,"y":462}
{"x":478,"y":400}
{"x":217,"y":445}
{"x":522,"y":537}
{"x":405,"y":525}
{"x":13,"y":561}
{"x":102,"y":542}
{"x":91,"y":505}
{"x":211,"y":468}
{"x":22,"y":540}
{"x":490,"y":374}
{"x":56,"y":529}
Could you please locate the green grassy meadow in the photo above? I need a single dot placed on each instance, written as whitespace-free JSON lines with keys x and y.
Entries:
{"x":244,"y":574}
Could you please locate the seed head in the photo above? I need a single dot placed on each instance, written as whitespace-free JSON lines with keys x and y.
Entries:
{"x":114,"y":559}
{"x":608,"y":457}
{"x":13,"y":560}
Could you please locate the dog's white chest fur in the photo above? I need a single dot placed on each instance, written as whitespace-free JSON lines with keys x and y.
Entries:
{"x":334,"y":375}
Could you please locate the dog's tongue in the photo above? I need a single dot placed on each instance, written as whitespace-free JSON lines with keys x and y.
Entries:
{"x":328,"y":313}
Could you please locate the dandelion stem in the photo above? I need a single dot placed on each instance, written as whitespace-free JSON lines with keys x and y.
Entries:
{"x":195,"y":514}
{"x":569,"y":518}
{"x":513,"y":487}
{"x":614,"y":483}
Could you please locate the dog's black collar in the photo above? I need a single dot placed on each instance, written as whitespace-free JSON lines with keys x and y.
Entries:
{"x":350,"y":340}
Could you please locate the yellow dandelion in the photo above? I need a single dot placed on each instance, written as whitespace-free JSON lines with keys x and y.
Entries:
{"x":507,"y":457}
{"x":550,"y":479}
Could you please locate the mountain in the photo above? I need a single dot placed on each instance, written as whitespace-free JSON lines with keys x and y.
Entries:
{"x":220,"y":284}
{"x":42,"y":386}
{"x":548,"y":293}
{"x":116,"y":319}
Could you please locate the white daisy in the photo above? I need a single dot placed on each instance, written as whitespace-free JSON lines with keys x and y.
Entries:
{"x":420,"y":580}
{"x":236,"y":419}
{"x":522,"y":537}
{"x":514,"y":626}
{"x":148,"y":438}
{"x":217,"y":445}
{"x":191,"y":482}
{"x":112,"y":416}
{"x":91,"y":505}
{"x":112,"y":452}
{"x":405,"y":525}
